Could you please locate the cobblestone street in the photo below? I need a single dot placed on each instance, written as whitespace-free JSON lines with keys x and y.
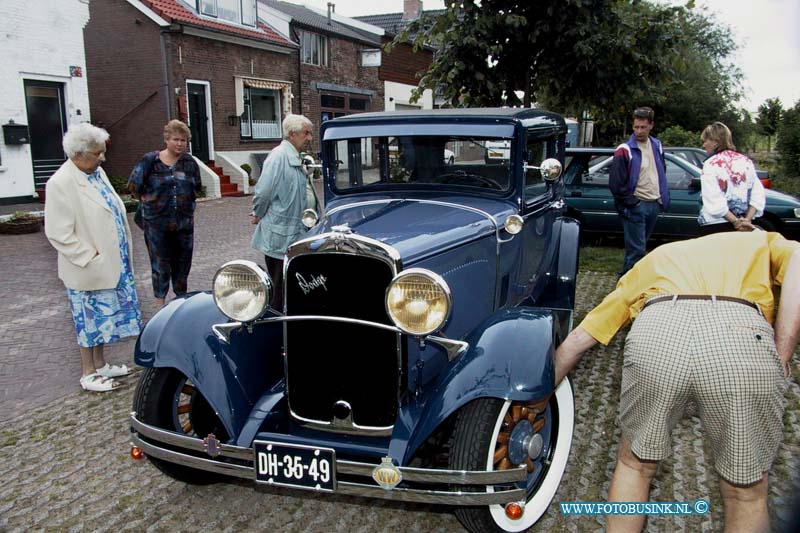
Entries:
{"x":64,"y":453}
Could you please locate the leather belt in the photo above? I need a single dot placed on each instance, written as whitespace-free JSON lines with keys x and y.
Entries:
{"x":671,"y":297}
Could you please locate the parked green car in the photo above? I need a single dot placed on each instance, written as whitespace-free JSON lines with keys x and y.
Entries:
{"x":590,"y":201}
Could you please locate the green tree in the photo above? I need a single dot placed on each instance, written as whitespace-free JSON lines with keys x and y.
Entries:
{"x":677,"y":136}
{"x":601,"y":56}
{"x":707,"y":83}
{"x":769,"y":119}
{"x":788,"y":144}
{"x":595,"y":55}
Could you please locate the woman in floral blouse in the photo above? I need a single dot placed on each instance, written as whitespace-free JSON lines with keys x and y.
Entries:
{"x":732,"y":193}
{"x":85,"y":222}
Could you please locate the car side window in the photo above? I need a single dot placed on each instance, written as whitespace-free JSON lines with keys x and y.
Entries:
{"x":677,"y":177}
{"x":598,"y":172}
{"x":535,"y":185}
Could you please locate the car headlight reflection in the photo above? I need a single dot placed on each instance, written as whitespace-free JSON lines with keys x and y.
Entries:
{"x":241,"y":290}
{"x":418,"y":301}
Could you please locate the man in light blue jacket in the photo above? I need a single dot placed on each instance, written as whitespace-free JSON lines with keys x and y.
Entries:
{"x":280,"y":200}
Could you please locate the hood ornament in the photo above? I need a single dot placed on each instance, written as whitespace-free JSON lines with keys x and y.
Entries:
{"x":342,"y":228}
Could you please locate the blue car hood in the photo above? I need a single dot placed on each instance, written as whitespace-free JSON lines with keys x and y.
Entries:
{"x":417,"y":228}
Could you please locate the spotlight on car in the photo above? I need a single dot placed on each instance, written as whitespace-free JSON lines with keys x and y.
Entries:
{"x":551,"y":169}
{"x":513,"y":224}
{"x":418,"y":301}
{"x":309,"y":218}
{"x":241,"y":290}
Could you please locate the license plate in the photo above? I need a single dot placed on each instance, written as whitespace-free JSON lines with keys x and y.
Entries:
{"x":294,"y":465}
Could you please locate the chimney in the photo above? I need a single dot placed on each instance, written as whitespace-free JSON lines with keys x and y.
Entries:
{"x":412,"y":9}
{"x":331,"y":9}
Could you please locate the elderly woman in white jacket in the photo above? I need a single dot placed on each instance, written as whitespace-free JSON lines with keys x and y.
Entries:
{"x":85,"y":222}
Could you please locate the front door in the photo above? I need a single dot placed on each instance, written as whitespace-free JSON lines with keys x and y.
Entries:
{"x":47,"y":123}
{"x":198,"y":121}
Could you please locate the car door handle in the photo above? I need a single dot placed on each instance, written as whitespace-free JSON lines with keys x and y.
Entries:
{"x":576,"y":193}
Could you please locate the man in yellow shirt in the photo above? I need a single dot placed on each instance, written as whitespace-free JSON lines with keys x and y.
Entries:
{"x":703,"y":309}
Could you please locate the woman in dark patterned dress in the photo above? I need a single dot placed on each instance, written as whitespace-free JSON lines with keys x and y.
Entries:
{"x":167,"y":183}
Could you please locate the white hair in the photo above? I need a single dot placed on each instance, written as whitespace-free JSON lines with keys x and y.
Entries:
{"x":82,"y":138}
{"x":294,"y":123}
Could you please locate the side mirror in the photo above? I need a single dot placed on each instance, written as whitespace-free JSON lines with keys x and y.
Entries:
{"x":696,"y":184}
{"x":550,"y":169}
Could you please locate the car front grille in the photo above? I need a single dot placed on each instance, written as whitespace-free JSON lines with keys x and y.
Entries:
{"x":331,"y":365}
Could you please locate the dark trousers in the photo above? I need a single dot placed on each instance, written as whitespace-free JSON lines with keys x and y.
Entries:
{"x":170,"y":258}
{"x":637,"y":227}
{"x":275,"y":271}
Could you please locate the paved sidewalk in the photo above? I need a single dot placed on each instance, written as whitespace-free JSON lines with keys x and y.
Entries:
{"x":64,"y":453}
{"x":39,"y":357}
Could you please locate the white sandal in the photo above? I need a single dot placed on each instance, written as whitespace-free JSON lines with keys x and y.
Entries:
{"x":98,"y":383}
{"x":113,"y":371}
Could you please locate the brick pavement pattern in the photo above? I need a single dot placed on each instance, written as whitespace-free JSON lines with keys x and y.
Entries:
{"x":64,"y":453}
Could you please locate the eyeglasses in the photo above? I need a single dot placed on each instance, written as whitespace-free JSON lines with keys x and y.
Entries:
{"x":643,"y":112}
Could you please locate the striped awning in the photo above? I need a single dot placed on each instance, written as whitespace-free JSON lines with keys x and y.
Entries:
{"x":285,"y":87}
{"x":266,"y":84}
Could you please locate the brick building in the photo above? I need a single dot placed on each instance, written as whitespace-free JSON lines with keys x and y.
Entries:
{"x":219,"y":67}
{"x":401,"y":69}
{"x":339,"y":62}
{"x":42,"y":90}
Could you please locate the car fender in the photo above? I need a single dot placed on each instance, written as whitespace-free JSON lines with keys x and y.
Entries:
{"x":228,"y":375}
{"x":510,"y":356}
{"x":559,"y":293}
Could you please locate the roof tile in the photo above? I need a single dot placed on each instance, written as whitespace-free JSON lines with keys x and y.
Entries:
{"x":174,"y":11}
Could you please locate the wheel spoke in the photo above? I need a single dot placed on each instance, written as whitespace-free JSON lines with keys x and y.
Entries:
{"x":503,"y":436}
{"x":186,"y":426}
{"x":516,"y":412}
{"x":505,"y":464}
{"x":529,"y":463}
{"x":538,"y":425}
{"x":188,"y":389}
{"x":501,"y":452}
{"x":184,"y":408}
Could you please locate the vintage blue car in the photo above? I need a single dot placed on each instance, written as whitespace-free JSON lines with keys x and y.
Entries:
{"x":413,"y":358}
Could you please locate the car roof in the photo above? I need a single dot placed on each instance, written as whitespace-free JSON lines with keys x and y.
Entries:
{"x":529,"y":117}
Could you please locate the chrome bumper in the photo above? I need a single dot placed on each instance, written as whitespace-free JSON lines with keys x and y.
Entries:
{"x":150,"y":440}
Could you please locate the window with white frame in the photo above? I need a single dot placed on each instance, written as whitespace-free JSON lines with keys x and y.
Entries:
{"x":236,"y":11}
{"x":313,"y":48}
{"x":262,"y":114}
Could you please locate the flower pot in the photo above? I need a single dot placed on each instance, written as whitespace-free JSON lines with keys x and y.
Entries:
{"x":20,"y":225}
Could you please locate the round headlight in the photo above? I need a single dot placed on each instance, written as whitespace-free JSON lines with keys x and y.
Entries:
{"x":418,"y":301}
{"x":309,"y":218}
{"x":514,"y":224}
{"x":241,"y":290}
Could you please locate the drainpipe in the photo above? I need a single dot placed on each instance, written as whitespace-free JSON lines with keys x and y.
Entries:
{"x":166,"y":65}
{"x":299,"y":73}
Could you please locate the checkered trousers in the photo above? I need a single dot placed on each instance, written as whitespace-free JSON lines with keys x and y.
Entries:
{"x":719,"y":354}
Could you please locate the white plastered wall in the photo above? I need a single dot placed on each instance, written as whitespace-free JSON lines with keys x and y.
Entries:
{"x":40,"y":40}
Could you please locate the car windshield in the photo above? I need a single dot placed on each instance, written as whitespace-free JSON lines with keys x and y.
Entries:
{"x":426,"y":161}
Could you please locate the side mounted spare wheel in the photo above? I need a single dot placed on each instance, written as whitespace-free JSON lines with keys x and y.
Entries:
{"x":166,"y":399}
{"x":492,"y":434}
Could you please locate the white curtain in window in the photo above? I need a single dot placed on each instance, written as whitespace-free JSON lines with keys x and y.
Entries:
{"x":229,"y":10}
{"x":249,"y":12}
{"x":208,"y":7}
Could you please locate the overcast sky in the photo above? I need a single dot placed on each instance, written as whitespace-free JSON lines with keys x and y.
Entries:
{"x":767,"y":31}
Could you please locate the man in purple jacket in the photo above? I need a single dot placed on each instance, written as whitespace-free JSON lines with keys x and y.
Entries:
{"x":638,"y":181}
